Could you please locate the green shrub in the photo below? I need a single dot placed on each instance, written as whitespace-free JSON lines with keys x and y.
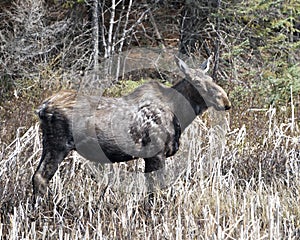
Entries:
{"x":284,"y":86}
{"x":122,"y":88}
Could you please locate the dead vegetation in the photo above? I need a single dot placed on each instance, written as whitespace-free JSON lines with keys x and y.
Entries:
{"x":244,"y":188}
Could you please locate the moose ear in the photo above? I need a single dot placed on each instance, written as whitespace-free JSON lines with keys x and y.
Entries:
{"x":182,"y":66}
{"x":205,"y":65}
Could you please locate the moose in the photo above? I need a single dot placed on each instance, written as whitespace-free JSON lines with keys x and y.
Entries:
{"x":146,"y":124}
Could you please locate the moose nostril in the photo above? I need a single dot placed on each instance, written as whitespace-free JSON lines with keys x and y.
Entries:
{"x":227,"y":107}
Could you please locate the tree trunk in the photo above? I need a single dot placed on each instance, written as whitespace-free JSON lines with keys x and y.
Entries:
{"x":96,"y":37}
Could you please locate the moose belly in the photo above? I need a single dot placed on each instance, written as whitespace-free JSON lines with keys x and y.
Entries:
{"x":115,"y":153}
{"x":99,"y":148}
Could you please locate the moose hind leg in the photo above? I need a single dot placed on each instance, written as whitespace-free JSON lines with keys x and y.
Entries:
{"x":46,"y":169}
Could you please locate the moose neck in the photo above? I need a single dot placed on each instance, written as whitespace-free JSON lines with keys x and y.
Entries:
{"x":192,"y":95}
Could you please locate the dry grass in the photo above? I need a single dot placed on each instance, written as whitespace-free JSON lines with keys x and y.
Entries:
{"x":242,"y":185}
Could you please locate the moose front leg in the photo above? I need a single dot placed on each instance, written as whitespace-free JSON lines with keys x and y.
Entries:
{"x":154,"y":163}
{"x":46,"y":169}
{"x":154,"y":169}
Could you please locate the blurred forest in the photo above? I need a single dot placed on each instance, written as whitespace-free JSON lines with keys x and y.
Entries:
{"x":47,"y":45}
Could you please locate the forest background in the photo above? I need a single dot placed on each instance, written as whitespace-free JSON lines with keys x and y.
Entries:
{"x":250,"y":191}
